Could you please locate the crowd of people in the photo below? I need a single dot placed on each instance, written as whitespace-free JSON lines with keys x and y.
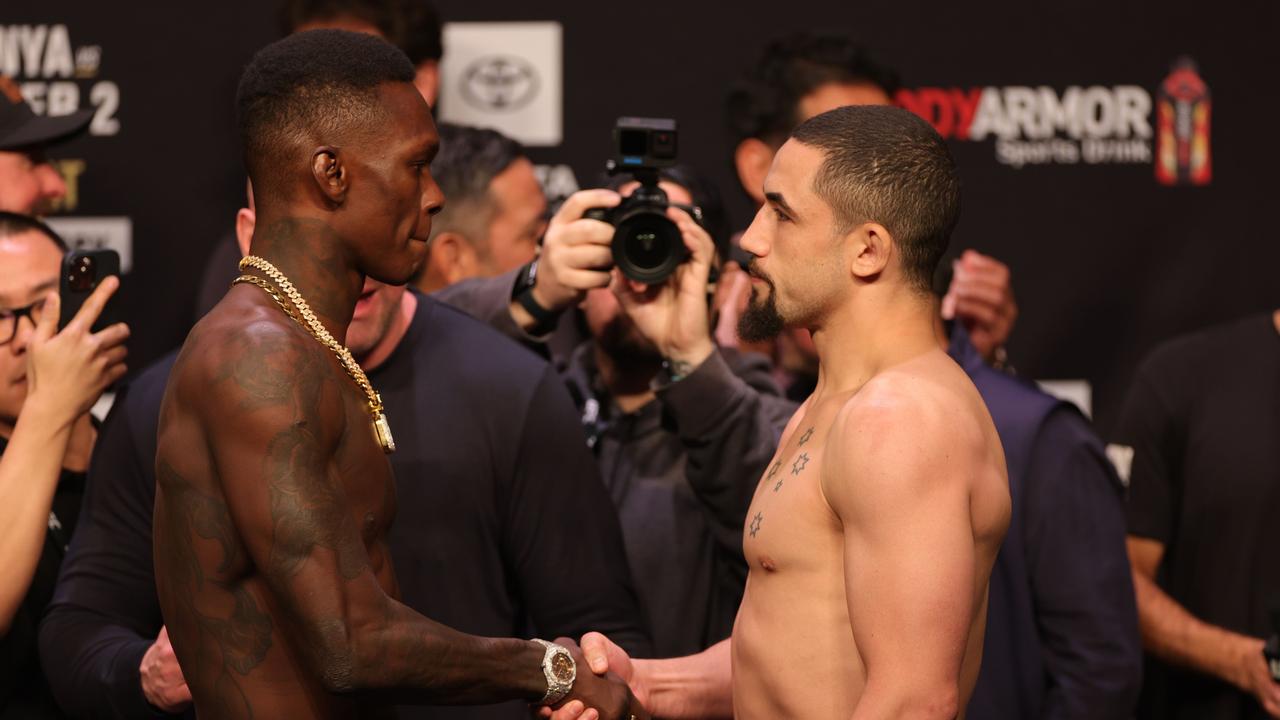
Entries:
{"x":583,"y":457}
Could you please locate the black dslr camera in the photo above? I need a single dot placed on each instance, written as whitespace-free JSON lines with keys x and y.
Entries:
{"x":646,"y":245}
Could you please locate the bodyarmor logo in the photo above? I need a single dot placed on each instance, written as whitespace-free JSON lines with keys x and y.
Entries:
{"x":499,"y":83}
{"x":1039,"y":125}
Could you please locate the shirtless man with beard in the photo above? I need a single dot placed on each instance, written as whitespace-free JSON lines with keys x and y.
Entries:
{"x":872,"y":534}
{"x":274,"y":493}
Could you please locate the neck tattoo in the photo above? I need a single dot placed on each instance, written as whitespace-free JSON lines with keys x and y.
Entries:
{"x":302,"y":314}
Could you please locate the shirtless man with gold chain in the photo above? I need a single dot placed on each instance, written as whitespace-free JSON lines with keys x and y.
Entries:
{"x":274,"y":493}
{"x":872,"y":534}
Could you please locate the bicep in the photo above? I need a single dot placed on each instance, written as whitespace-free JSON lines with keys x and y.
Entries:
{"x":909,"y":556}
{"x":909,"y":578}
{"x":273,"y":456}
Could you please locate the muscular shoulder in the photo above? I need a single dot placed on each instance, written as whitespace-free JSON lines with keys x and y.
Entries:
{"x":908,"y":431}
{"x":247,"y":360}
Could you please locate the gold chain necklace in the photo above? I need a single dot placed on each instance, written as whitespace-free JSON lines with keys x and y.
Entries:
{"x":312,"y":324}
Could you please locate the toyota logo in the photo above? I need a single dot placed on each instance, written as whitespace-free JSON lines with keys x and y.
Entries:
{"x":499,"y":83}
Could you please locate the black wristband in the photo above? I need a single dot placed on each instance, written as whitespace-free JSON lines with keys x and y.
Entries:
{"x":544,"y":320}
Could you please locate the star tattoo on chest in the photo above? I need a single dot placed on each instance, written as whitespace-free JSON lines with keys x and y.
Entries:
{"x":805,"y":437}
{"x":773,"y":470}
{"x":800,"y":463}
{"x":755,"y":523}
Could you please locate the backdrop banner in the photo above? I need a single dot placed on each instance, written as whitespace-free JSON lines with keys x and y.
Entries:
{"x":1115,"y":156}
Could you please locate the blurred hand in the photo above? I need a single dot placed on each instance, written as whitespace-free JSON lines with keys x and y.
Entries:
{"x":576,"y":254}
{"x":1255,"y":677}
{"x":602,"y":657}
{"x":733,"y":294}
{"x":981,"y":297}
{"x":162,"y":681}
{"x":674,"y":315}
{"x":68,"y":370}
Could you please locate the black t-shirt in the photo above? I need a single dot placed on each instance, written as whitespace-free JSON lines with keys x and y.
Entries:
{"x":1203,"y":419}
{"x":23,"y":690}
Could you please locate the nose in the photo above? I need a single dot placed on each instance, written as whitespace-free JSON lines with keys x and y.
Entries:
{"x":26,"y":326}
{"x":433,"y":199}
{"x":754,"y":240}
{"x":52,"y":185}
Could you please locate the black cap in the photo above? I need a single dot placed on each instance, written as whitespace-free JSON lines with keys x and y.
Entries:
{"x":20,"y":127}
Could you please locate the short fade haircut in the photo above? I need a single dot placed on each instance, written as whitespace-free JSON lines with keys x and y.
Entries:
{"x":320,"y":81}
{"x":468,"y":161}
{"x":16,"y":224}
{"x":886,"y":165}
{"x":411,"y":25}
{"x":765,"y":104}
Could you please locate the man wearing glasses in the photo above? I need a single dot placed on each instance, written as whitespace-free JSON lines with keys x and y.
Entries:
{"x":48,"y":382}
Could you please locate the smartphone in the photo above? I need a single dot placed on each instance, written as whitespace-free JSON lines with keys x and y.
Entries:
{"x":82,"y":271}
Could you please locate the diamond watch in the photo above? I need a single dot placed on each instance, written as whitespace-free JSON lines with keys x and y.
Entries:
{"x":560,"y":669}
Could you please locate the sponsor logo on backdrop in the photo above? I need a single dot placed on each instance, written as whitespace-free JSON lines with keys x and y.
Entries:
{"x":507,"y":76}
{"x":58,"y":78}
{"x":557,"y":181}
{"x":1182,"y":122}
{"x":499,"y":83}
{"x":1091,"y":125}
{"x":97,"y":233}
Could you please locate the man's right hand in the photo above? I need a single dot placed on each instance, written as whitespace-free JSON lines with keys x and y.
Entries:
{"x":68,"y":370}
{"x":162,"y":682}
{"x":604,"y":658}
{"x":576,"y":254}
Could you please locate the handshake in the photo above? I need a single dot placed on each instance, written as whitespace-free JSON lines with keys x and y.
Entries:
{"x":615,"y":689}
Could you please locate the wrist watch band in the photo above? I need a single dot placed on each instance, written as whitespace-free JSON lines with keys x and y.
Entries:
{"x":544,"y":320}
{"x":560,"y":670}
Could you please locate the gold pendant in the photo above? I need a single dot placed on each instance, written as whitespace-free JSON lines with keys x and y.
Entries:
{"x":382,"y":430}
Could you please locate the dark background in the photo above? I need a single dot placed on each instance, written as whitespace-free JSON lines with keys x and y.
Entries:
{"x":1106,"y":262}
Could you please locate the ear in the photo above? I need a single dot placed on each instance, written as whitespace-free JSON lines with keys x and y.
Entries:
{"x":752,"y":158}
{"x":330,"y":174}
{"x":871,"y":247}
{"x":245,"y":221}
{"x":452,"y":258}
{"x":427,"y":80}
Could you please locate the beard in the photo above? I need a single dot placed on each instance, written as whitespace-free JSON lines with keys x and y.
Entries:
{"x":761,"y":320}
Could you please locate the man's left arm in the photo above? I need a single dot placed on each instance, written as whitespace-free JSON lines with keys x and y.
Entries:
{"x":898,"y":481}
{"x":1079,"y":575}
{"x":563,"y":535}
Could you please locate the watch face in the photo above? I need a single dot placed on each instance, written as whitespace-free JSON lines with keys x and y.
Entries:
{"x":562,"y":666}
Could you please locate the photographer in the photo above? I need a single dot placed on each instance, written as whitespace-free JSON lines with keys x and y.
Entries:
{"x":682,"y":429}
{"x":48,"y":382}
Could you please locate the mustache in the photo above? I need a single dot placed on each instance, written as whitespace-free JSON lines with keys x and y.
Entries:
{"x":753,"y":269}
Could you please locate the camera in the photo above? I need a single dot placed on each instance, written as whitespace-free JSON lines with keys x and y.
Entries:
{"x":647,"y":246}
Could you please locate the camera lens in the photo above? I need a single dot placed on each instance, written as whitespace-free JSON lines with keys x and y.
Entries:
{"x":647,"y":246}
{"x":82,"y":275}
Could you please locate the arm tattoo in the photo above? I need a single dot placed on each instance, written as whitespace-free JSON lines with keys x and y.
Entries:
{"x":243,"y":637}
{"x":805,"y":437}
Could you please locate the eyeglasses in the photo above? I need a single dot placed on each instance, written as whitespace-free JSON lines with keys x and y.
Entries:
{"x":9,"y":320}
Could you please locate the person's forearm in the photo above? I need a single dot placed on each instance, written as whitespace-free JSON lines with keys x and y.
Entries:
{"x":92,"y":664}
{"x":414,"y":659}
{"x":1175,"y":635}
{"x":29,"y":472}
{"x":696,"y":686}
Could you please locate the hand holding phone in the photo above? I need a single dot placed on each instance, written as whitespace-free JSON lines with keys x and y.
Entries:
{"x":68,"y":369}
